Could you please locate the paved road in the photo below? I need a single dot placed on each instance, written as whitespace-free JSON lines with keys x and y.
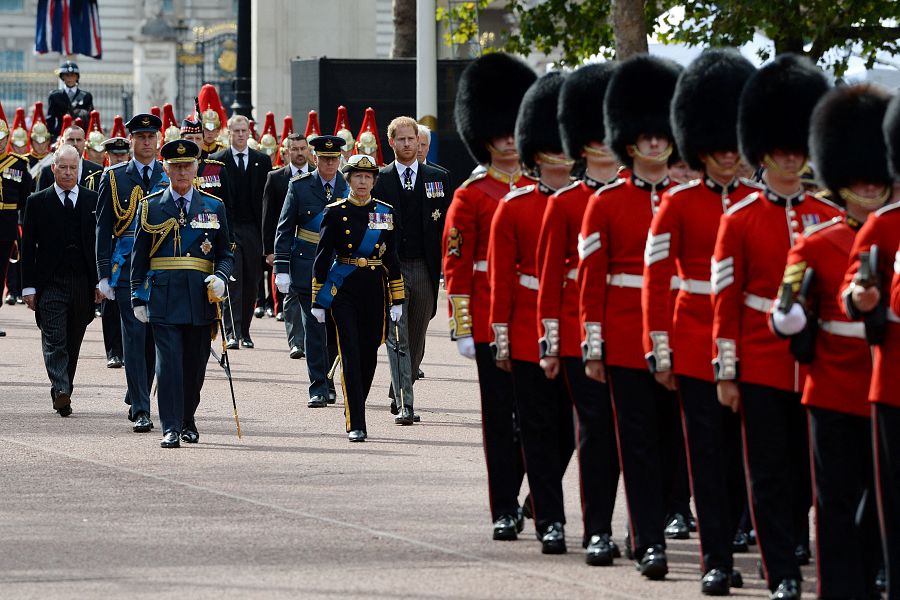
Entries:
{"x":89,"y":509}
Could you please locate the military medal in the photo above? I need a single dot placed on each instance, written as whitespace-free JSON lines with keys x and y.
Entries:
{"x":181,"y":218}
{"x":436,"y":214}
{"x":206,"y":246}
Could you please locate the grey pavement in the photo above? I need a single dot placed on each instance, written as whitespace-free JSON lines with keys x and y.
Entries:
{"x":89,"y":509}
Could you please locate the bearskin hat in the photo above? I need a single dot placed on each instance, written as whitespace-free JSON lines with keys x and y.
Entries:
{"x":705,"y":105}
{"x":580,"y":107}
{"x":637,"y":102}
{"x":536,"y":126}
{"x":846,"y":142}
{"x":487,"y":100}
{"x":775,"y":106}
{"x":892,"y":136}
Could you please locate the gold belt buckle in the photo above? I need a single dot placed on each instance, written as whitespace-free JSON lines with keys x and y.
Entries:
{"x":361,"y":262}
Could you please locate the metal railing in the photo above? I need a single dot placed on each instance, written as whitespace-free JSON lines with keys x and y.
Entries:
{"x":112,"y":93}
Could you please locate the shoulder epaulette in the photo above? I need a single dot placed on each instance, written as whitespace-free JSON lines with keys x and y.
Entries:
{"x":567,"y":188}
{"x":751,"y":183}
{"x":337,"y":202}
{"x":612,"y":185}
{"x":118,"y":165}
{"x":20,"y":156}
{"x":828,"y":202}
{"x":203,"y":193}
{"x":684,"y":186}
{"x":473,"y":179}
{"x":743,"y":203}
{"x":887,"y":208}
{"x":300,"y":176}
{"x":391,"y":206}
{"x":211,"y":161}
{"x":519,"y":192}
{"x":813,"y":229}
{"x":153,"y":195}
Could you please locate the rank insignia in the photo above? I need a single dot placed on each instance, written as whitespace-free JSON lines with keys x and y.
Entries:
{"x":206,"y":246}
{"x":436,"y":214}
{"x":454,"y":242}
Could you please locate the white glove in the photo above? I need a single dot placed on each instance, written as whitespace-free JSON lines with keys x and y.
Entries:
{"x":106,"y":290}
{"x":140,"y":313}
{"x":319,"y":314}
{"x":466,"y":346}
{"x":215,"y":284}
{"x":283,"y":282}
{"x":791,"y":323}
{"x":396,"y":312}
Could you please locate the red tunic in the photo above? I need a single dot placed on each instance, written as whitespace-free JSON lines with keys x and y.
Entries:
{"x":513,"y":272}
{"x":557,"y":262}
{"x":466,"y":232}
{"x":881,"y":229}
{"x":754,"y":238}
{"x":681,"y":241}
{"x":839,"y":375}
{"x":611,"y":267}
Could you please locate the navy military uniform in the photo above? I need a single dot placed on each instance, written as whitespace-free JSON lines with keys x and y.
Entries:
{"x":15,"y":187}
{"x":295,"y":248}
{"x":121,"y":190}
{"x":179,"y":243}
{"x":357,"y":275}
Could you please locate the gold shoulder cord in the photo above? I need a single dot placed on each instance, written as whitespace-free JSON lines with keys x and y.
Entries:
{"x":160,"y":231}
{"x":124,"y":216}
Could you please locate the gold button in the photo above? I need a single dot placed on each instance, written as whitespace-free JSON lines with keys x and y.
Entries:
{"x":376,"y":245}
{"x":188,"y":254}
{"x":349,"y":245}
{"x":345,"y":218}
{"x":347,"y":231}
{"x":362,"y":262}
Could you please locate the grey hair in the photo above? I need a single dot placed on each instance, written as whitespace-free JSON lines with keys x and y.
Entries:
{"x":427,"y":131}
{"x":63,"y":150}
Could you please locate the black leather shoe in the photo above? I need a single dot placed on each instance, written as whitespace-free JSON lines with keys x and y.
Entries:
{"x":715,"y":583}
{"x":170,"y":440}
{"x":62,"y":403}
{"x":142,"y":423}
{"x":788,"y":589}
{"x":2,"y":333}
{"x":279,"y":317}
{"x":654,"y":564}
{"x":416,"y":418}
{"x":332,"y":396}
{"x":599,"y":551}
{"x":258,"y":312}
{"x":65,"y":411}
{"x":246,"y":343}
{"x":395,"y":410}
{"x":692,"y":523}
{"x":737,"y":580}
{"x":616,"y":553}
{"x":405,"y":417}
{"x":553,"y":541}
{"x":297,"y":352}
{"x":317,"y":402}
{"x":189,"y":434}
{"x":232,"y":344}
{"x":420,"y":374}
{"x":270,"y":313}
{"x":505,"y":529}
{"x":357,"y":435}
{"x":520,"y":520}
{"x":677,"y":529}
{"x":740,"y":543}
{"x":526,"y":507}
{"x":114,"y":363}
{"x":629,"y":552}
{"x":10,"y":299}
{"x":802,"y":554}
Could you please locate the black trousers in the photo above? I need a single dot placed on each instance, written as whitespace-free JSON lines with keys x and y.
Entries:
{"x":65,"y":311}
{"x":548,"y":438}
{"x":112,"y":328}
{"x":359,"y":316}
{"x":5,"y":252}
{"x":886,"y":438}
{"x":647,"y":425}
{"x":182,"y":352}
{"x":247,"y":273}
{"x":712,"y":435}
{"x":598,"y":455}
{"x":139,"y":354}
{"x":776,"y":452}
{"x":14,"y":279}
{"x":848,"y":546}
{"x":502,"y":448}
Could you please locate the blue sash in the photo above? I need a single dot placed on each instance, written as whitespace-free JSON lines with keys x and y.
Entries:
{"x":313,"y":224}
{"x":340,"y":271}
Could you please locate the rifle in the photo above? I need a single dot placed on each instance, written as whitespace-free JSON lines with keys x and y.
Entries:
{"x":223,"y":360}
{"x":803,"y":345}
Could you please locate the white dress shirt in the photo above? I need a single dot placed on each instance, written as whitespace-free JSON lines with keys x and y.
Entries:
{"x":401,"y":171}
{"x":245,"y":152}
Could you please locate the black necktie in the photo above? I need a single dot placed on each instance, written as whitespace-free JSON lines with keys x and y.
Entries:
{"x":147,"y":178}
{"x":407,"y":180}
{"x":68,"y":201}
{"x":328,"y":191}
{"x":241,"y":161}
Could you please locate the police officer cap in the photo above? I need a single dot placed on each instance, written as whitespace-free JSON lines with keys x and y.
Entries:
{"x":143,"y":122}
{"x":180,"y":151}
{"x":327,"y":145}
{"x":68,"y":67}
{"x":360,"y":163}
{"x":116,"y":145}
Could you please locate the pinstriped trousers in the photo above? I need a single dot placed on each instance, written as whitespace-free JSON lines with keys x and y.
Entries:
{"x":66,"y":311}
{"x":412,"y":327}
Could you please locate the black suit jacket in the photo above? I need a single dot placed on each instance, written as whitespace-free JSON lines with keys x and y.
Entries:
{"x":258,"y":167}
{"x":273,"y":199}
{"x":90,"y":176}
{"x":43,"y":236}
{"x":59,"y":105}
{"x":434,"y":211}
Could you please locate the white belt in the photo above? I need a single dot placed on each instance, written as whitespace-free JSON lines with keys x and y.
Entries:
{"x":892,"y":316}
{"x":676,"y":283}
{"x":528,"y":281}
{"x":480,"y":265}
{"x":845,"y":329}
{"x":572,"y":274}
{"x":763,"y":305}
{"x":696,"y":286}
{"x":625,"y":280}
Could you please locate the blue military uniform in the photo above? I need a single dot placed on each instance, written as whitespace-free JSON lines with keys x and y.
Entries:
{"x":121,"y":190}
{"x":295,"y":248}
{"x":175,"y":250}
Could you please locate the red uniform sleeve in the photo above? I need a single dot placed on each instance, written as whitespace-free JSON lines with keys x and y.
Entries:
{"x":728,"y":297}
{"x":895,"y":285}
{"x":459,"y":242}
{"x":865,"y":238}
{"x":502,"y":275}
{"x":794,"y":271}
{"x":593,"y":267}
{"x":551,"y":259}
{"x":663,"y":246}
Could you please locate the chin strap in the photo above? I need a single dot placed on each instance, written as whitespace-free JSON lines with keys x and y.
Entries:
{"x":552,"y":160}
{"x":770,"y":164}
{"x":852,"y":197}
{"x":661,"y":158}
